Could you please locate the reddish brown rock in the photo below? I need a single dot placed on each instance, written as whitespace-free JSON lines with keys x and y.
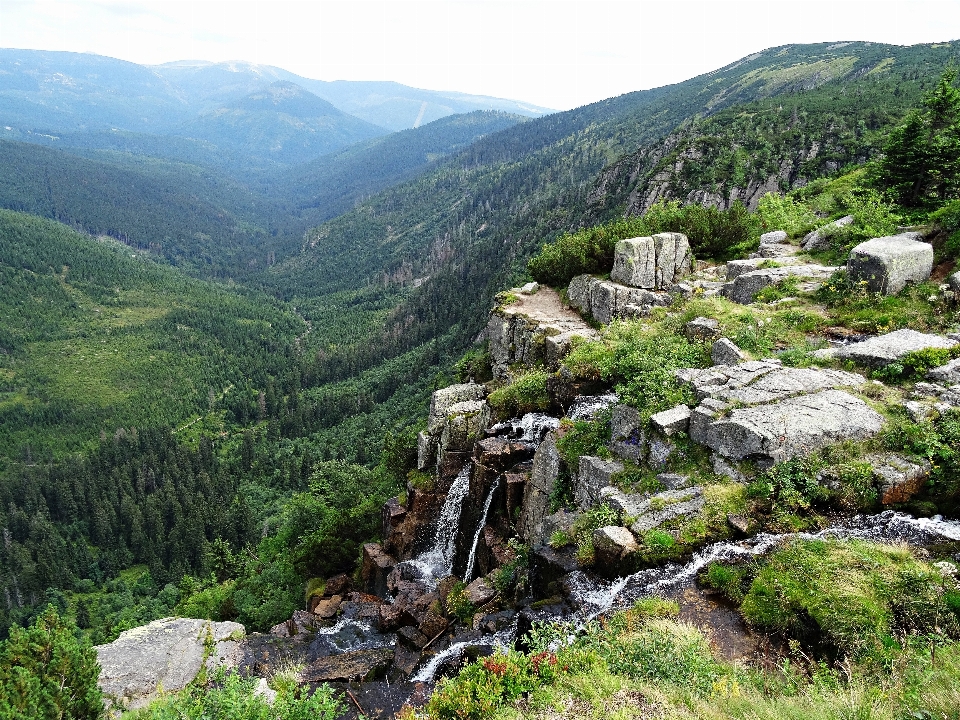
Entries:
{"x":899,"y":478}
{"x":337,"y":585}
{"x":499,"y":453}
{"x":479,"y":592}
{"x":412,"y":638}
{"x":327,"y":608}
{"x":433,"y":624}
{"x":349,"y":666}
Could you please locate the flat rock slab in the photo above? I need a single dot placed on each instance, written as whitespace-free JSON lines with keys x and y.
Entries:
{"x":736,"y":268}
{"x":348,"y":666}
{"x":884,"y":349}
{"x":791,"y":427}
{"x":647,"y":512}
{"x":164,"y":654}
{"x":763,"y":381}
{"x":949,"y":373}
{"x":888,"y":264}
{"x":745,"y":287}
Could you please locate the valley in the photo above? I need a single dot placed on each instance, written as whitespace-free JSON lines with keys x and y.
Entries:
{"x":488,"y":411}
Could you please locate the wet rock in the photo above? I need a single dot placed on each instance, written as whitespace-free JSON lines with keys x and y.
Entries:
{"x":671,"y":421}
{"x":349,"y":666}
{"x":702,"y":329}
{"x":819,"y":239}
{"x":548,"y":567}
{"x":300,"y":625}
{"x":795,"y":426}
{"x":774,"y":237}
{"x":725,"y":352}
{"x":164,"y":654}
{"x":899,"y":478}
{"x":887,"y":264}
{"x":375,"y":566}
{"x":500,"y":454}
{"x":479,"y":592}
{"x":393,"y":516}
{"x":614,"y":549}
{"x":651,"y":262}
{"x":745,"y":287}
{"x":588,"y":407}
{"x":412,"y":637}
{"x":536,"y":494}
{"x":593,"y":474}
{"x":405,"y":661}
{"x":742,"y":525}
{"x":327,"y":607}
{"x":949,"y":373}
{"x":433,"y":624}
{"x":884,"y":349}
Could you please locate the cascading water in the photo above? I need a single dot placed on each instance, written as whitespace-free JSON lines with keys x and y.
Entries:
{"x":437,"y":562}
{"x":595,"y":598}
{"x":468,"y":574}
{"x":502,"y":641}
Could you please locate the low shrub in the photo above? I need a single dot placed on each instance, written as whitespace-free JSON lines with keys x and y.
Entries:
{"x":783,"y":212}
{"x":458,"y":604}
{"x":713,"y":233}
{"x":527,"y":393}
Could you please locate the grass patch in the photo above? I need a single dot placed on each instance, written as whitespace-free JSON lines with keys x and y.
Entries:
{"x":525,"y":394}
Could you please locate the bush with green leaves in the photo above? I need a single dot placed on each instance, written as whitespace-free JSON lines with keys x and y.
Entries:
{"x":783,"y":212}
{"x":947,"y":218}
{"x":713,"y":233}
{"x":856,"y":597}
{"x":525,"y":394}
{"x":49,"y":671}
{"x":228,"y":695}
{"x":915,"y":364}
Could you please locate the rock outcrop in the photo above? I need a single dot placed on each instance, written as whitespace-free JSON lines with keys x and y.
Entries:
{"x":165,"y":654}
{"x":653,"y":263}
{"x":605,"y":300}
{"x":885,"y":349}
{"x":819,"y":239}
{"x":539,"y":489}
{"x":745,"y":287}
{"x":886,"y":265}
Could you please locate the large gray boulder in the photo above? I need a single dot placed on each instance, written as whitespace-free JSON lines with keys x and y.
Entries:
{"x":745,"y":287}
{"x":774,"y":237}
{"x":593,"y":474}
{"x":887,"y":264}
{"x":539,"y":488}
{"x":165,"y":654}
{"x":819,"y":239}
{"x":725,"y":352}
{"x":653,"y":263}
{"x":954,"y":282}
{"x":764,"y":381}
{"x":781,"y":430}
{"x":442,"y":400}
{"x":885,"y":349}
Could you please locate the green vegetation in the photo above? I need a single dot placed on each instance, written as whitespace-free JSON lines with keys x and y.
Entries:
{"x":49,"y":671}
{"x":526,"y":393}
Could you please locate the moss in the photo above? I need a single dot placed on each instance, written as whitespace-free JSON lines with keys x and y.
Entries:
{"x":421,"y":481}
{"x":525,"y":394}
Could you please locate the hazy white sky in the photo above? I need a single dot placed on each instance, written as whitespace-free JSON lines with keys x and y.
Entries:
{"x":555,"y":53}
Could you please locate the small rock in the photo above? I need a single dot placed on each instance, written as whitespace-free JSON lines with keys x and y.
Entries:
{"x":954,"y":282}
{"x":724,"y":469}
{"x":479,"y":592}
{"x":327,"y":607}
{"x":412,"y":638}
{"x":740,"y":523}
{"x":725,"y":352}
{"x":898,"y":477}
{"x":349,"y":666}
{"x":949,"y":373}
{"x":775,"y":237}
{"x":612,"y":546}
{"x":702,"y":329}
{"x":887,"y":264}
{"x":530,"y":288}
{"x":667,"y":505}
{"x":337,"y":585}
{"x":264,"y":691}
{"x":819,"y":239}
{"x":671,"y":421}
{"x":673,"y":481}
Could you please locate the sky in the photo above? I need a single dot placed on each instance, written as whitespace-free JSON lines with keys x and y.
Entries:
{"x":558,"y":54}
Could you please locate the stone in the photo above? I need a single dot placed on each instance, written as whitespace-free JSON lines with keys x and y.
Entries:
{"x":264,"y":691}
{"x":884,"y":349}
{"x":774,"y":237}
{"x":673,"y":481}
{"x":736,"y":268}
{"x":725,"y":352}
{"x":536,"y":494}
{"x":702,"y":329}
{"x":613,"y":547}
{"x":770,"y":251}
{"x":442,"y":400}
{"x":350,"y":666}
{"x":627,"y":436}
{"x":578,"y":293}
{"x":671,"y":421}
{"x":666,"y":505}
{"x":724,"y":469}
{"x":426,"y":451}
{"x":763,"y":381}
{"x":593,"y":474}
{"x":479,"y":592}
{"x":164,"y":654}
{"x":433,"y":624}
{"x":530,"y":288}
{"x":741,"y":524}
{"x":412,"y":637}
{"x":954,"y":282}
{"x":653,"y":263}
{"x":819,"y":239}
{"x":899,"y":478}
{"x":888,"y":264}
{"x":745,"y":287}
{"x":375,"y":567}
{"x":795,"y":426}
{"x":547,"y":569}
{"x":327,"y":608}
{"x":464,"y":424}
{"x":949,"y":373}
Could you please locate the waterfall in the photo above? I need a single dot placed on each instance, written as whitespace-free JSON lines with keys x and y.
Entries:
{"x":502,"y":641}
{"x":437,"y":562}
{"x":476,"y":538}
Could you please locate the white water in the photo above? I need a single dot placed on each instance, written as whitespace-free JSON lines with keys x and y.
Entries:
{"x":476,"y":538}
{"x":596,"y":598}
{"x":501,"y":640}
{"x":437,"y":562}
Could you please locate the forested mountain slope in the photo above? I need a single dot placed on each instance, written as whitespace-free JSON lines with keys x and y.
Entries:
{"x":456,"y":235}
